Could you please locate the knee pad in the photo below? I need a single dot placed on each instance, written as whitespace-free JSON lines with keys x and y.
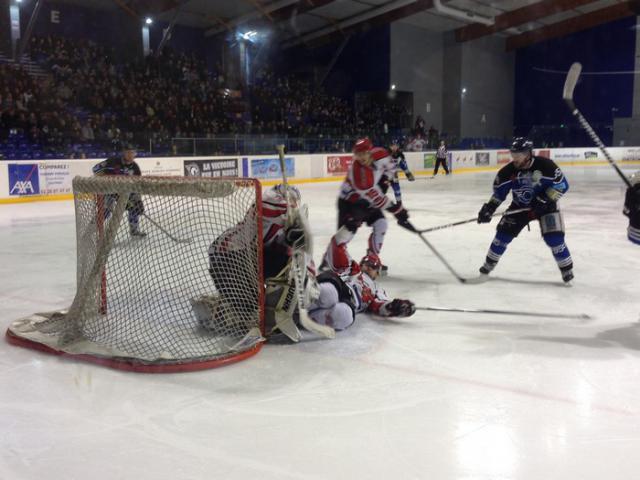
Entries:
{"x":328,"y":296}
{"x":554,"y":240}
{"x":552,"y":223}
{"x":502,"y":239}
{"x":342,"y":316}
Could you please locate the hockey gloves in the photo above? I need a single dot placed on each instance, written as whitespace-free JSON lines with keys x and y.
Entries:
{"x":410,"y":177}
{"x":541,"y":206}
{"x":487,"y":211}
{"x":294,"y":236}
{"x":400,"y":308}
{"x":402,"y":216}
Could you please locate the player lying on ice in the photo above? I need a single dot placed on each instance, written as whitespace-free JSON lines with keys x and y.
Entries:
{"x":341,"y":297}
{"x":536,"y":184}
{"x":632,"y":208}
{"x":363,"y":200}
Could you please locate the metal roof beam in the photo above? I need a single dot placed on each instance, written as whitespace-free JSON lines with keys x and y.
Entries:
{"x":519,"y":16}
{"x":576,"y":24}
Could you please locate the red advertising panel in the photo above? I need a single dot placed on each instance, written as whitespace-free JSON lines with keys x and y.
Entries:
{"x":338,"y":165}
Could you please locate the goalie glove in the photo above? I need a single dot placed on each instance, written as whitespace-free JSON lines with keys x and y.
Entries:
{"x":399,"y":308}
{"x":294,"y":236}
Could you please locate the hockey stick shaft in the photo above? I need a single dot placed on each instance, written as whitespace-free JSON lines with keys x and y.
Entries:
{"x":305,"y":320}
{"x":441,"y":258}
{"x":471,"y":220}
{"x":163,"y":230}
{"x":579,"y":316}
{"x":569,"y":86}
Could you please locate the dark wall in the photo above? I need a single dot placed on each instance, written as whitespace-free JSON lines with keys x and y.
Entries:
{"x":538,"y":95}
{"x":5,"y":28}
{"x":363,"y":64}
{"x":113,"y":27}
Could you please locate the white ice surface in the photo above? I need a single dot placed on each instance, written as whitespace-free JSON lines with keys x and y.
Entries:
{"x":435,"y":396}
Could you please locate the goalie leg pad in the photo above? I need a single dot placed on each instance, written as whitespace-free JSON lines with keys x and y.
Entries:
{"x":280,"y":306}
{"x":552,"y":223}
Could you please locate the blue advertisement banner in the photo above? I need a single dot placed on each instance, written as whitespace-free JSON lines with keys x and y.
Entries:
{"x":23,"y":179}
{"x":270,"y":167}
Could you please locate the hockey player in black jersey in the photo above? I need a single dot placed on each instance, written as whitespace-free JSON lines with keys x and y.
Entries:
{"x":123,"y":164}
{"x":536,"y":183}
{"x":632,"y":208}
{"x":398,"y":157}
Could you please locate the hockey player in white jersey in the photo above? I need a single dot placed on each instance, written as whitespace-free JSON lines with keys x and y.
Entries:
{"x":362,"y":200}
{"x":342,"y":297}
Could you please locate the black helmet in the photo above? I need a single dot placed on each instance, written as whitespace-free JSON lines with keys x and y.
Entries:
{"x":395,"y":141}
{"x":521,"y":144}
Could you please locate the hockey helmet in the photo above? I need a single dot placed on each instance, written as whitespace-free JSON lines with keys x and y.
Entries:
{"x":294,"y":194}
{"x":362,"y":145}
{"x":521,"y":144}
{"x":371,"y":260}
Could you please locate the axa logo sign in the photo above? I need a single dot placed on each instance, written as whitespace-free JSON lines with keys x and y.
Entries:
{"x":23,"y":179}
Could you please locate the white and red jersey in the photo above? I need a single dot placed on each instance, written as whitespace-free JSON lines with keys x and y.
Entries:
{"x":363,"y":181}
{"x":366,"y":295}
{"x":274,"y":218}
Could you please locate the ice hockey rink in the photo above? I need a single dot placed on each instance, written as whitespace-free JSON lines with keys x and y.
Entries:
{"x":436,"y":396}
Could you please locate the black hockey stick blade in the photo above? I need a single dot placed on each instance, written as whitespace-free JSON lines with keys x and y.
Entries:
{"x":570,"y":84}
{"x":578,"y":316}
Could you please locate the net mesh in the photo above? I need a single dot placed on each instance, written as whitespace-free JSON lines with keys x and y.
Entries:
{"x":188,"y":291}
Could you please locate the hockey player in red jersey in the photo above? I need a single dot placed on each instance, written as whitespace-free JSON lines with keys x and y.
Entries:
{"x":362,"y":200}
{"x":340,"y":298}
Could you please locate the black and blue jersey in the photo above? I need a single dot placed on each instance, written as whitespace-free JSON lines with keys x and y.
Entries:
{"x":116,"y":166}
{"x":542,"y":179}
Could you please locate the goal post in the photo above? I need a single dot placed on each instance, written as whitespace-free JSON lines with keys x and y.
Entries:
{"x":188,"y":296}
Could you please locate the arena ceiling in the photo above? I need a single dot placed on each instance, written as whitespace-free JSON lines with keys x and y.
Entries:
{"x":310,"y":22}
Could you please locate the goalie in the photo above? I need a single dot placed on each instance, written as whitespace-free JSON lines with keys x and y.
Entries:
{"x":227,"y":257}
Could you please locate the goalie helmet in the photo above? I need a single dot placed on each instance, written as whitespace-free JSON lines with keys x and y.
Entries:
{"x":294,"y":194}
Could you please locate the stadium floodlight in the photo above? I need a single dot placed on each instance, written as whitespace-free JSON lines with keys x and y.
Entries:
{"x":393,"y":86}
{"x":148,"y":20}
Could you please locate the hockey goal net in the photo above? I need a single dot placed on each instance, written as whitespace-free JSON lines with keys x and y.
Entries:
{"x":187,"y":296}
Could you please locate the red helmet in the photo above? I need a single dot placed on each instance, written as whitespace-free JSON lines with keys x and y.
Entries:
{"x":372,"y":261}
{"x":362,"y":145}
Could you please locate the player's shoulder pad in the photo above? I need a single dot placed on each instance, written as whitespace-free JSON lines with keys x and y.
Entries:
{"x":505,"y":172}
{"x":547,"y":166}
{"x":378,"y":153}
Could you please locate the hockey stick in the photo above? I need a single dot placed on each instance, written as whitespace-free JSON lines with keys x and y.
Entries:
{"x":159,"y":227}
{"x":579,"y":316}
{"x":298,"y":258}
{"x":463,"y":222}
{"x":567,"y":95}
{"x":407,"y":225}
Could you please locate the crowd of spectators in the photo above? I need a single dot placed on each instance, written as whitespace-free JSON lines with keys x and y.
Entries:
{"x":94,"y":99}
